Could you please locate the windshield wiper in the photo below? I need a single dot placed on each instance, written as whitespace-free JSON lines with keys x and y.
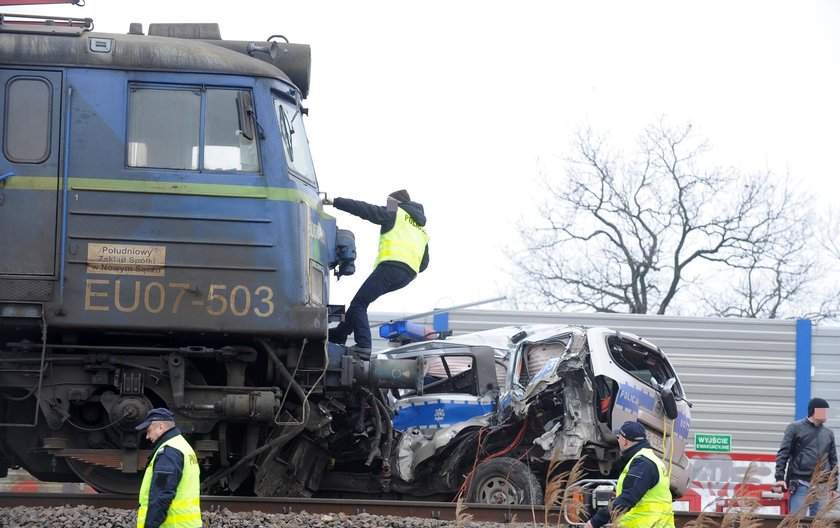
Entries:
{"x":288,"y":130}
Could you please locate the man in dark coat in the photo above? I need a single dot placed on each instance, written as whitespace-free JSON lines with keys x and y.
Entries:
{"x":807,"y":444}
{"x":403,"y":253}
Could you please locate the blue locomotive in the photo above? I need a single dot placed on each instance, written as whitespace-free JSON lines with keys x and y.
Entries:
{"x":162,"y":243}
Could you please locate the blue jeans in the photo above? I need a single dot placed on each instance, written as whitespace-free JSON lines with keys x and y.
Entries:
{"x":383,"y":279}
{"x":797,"y":499}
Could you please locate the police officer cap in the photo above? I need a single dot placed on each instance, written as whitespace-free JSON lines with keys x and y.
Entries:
{"x":156,"y":415}
{"x":633,"y":431}
{"x":400,"y":196}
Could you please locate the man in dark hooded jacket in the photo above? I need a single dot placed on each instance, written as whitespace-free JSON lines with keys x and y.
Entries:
{"x":403,"y":253}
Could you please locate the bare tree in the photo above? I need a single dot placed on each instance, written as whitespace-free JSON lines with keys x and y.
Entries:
{"x":774,"y":279}
{"x":828,"y":235}
{"x":631,"y":235}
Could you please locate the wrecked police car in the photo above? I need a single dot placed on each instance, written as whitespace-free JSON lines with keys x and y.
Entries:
{"x":493,"y":409}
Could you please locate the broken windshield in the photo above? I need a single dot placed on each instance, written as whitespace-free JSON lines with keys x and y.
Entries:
{"x":295,"y":143}
{"x":642,"y":362}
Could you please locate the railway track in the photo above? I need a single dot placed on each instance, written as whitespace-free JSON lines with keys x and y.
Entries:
{"x":445,"y":511}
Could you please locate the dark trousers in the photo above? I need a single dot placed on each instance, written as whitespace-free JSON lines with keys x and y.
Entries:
{"x":384,"y":278}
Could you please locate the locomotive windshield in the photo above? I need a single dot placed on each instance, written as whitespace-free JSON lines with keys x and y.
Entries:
{"x":295,"y":144}
{"x":164,"y":130}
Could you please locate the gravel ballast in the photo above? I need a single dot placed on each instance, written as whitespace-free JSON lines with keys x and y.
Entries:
{"x":87,"y":517}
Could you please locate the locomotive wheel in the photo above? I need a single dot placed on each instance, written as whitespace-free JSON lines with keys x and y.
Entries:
{"x":106,"y":480}
{"x":504,"y":481}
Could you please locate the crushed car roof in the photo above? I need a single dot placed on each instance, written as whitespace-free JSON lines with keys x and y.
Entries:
{"x":502,"y":338}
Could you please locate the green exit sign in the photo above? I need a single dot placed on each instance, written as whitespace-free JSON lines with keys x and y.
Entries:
{"x":715,"y":443}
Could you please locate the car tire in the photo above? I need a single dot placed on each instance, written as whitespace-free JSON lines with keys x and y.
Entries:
{"x":504,"y":481}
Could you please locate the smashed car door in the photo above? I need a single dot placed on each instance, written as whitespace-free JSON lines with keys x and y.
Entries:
{"x":460,"y":389}
{"x":640,"y":374}
{"x":557,"y":397}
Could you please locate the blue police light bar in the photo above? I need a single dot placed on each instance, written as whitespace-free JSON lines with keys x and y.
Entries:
{"x":440,"y":323}
{"x":404,"y":330}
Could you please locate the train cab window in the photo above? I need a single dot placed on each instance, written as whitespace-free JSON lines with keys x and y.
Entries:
{"x":295,"y":143}
{"x":164,"y":130}
{"x":26,"y":130}
{"x":225,"y":146}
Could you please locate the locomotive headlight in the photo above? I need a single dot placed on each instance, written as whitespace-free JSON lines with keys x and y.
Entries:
{"x":316,"y":283}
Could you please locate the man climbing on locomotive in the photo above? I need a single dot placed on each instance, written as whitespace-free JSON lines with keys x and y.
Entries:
{"x":403,"y":253}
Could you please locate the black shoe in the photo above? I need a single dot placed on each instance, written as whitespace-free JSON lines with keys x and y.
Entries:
{"x":360,"y":352}
{"x":335,"y":336}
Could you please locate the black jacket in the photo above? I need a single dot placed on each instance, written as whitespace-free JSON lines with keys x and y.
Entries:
{"x":641,"y":476}
{"x":381,"y":216}
{"x":802,"y":446}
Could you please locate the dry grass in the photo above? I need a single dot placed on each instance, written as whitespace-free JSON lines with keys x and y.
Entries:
{"x":742,"y":511}
{"x":744,"y":506}
{"x":821,"y":480}
{"x":826,"y":479}
{"x":793,"y":519}
{"x":461,"y":515}
{"x":818,"y":485}
{"x":703,"y":520}
{"x":825,"y":517}
{"x":616,"y":514}
{"x":558,"y":491}
{"x":570,"y":500}
{"x":512,"y":523}
{"x":554,"y":482}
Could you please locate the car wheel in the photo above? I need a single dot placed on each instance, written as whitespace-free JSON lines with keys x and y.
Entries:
{"x":504,"y":481}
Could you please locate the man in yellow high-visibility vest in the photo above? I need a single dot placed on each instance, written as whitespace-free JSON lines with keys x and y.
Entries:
{"x":643,"y":494}
{"x":403,"y":253}
{"x":169,"y":494}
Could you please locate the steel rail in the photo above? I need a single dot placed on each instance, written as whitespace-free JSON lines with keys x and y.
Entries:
{"x":445,"y":511}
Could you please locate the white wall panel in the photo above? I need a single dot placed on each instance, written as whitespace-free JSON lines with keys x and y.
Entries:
{"x":825,"y":372}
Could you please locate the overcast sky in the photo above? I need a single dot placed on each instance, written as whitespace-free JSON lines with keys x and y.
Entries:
{"x":465,"y":102}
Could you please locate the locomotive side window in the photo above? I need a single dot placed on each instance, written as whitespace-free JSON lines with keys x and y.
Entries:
{"x":225,"y":146}
{"x":165,"y":130}
{"x":26,"y":137}
{"x":295,"y":143}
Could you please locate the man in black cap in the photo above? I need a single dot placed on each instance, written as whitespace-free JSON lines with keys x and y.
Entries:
{"x":807,"y":444}
{"x":643,"y":494}
{"x":169,"y":494}
{"x":403,"y":253}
